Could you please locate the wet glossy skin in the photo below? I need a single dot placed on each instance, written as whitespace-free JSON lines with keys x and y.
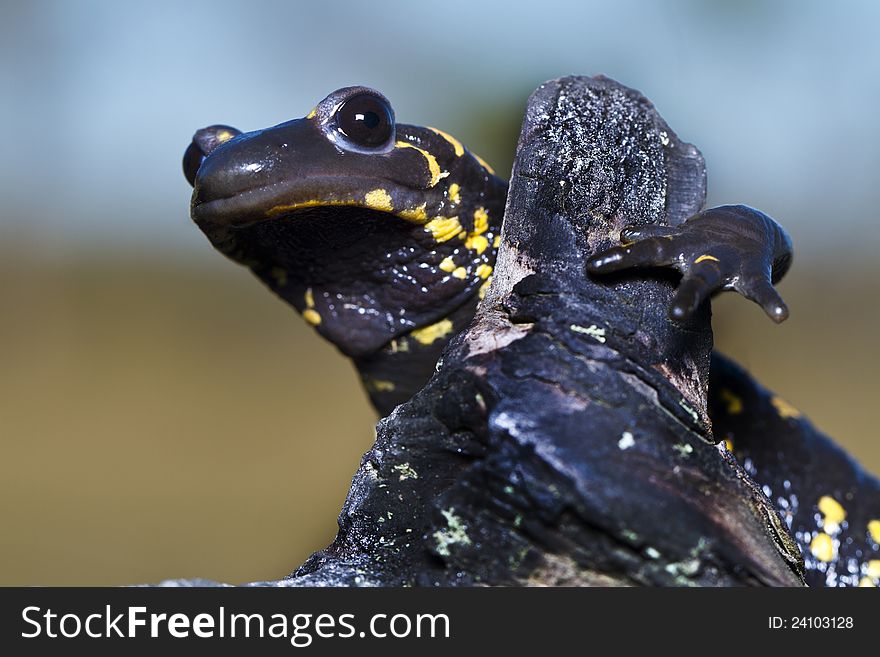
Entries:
{"x":731,"y":247}
{"x":383,"y":236}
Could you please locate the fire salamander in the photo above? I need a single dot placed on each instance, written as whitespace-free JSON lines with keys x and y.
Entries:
{"x":383,"y":237}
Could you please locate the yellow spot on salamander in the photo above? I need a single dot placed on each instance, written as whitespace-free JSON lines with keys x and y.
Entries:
{"x":443,"y":228}
{"x":834,"y":513}
{"x":484,"y":287}
{"x":873,"y":569}
{"x":378,"y":199}
{"x":483,"y":271}
{"x":706,"y":257}
{"x":311,"y":316}
{"x":483,"y":163}
{"x":874,"y":530}
{"x":475,"y":240}
{"x":417,"y":214}
{"x":476,"y":243}
{"x":497,"y":241}
{"x":447,"y":264}
{"x":313,"y":113}
{"x":822,"y":547}
{"x":459,"y":149}
{"x":785,"y":409}
{"x":428,"y":334}
{"x":481,"y":221}
{"x":733,"y":402}
{"x":380,"y":385}
{"x":310,"y":203}
{"x":433,"y":167}
{"x":728,"y":444}
{"x":223,"y":136}
{"x":455,"y":193}
{"x":866,"y":582}
{"x":460,"y":273}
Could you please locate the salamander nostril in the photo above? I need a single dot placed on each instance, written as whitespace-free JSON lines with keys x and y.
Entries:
{"x":203,"y":142}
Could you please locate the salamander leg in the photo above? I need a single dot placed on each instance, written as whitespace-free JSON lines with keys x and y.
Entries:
{"x":731,"y":247}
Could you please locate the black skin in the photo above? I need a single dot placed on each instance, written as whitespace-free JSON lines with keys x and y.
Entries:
{"x":382,"y":236}
{"x":731,"y":247}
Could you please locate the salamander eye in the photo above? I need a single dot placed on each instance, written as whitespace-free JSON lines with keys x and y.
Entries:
{"x":366,"y":121}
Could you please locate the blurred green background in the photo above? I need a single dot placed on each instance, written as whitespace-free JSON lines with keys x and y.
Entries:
{"x":162,"y":415}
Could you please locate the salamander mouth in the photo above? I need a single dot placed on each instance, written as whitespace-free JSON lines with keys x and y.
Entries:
{"x":285,"y":199}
